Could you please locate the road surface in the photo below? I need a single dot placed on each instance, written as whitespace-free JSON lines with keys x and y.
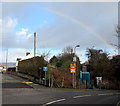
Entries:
{"x":16,"y":90}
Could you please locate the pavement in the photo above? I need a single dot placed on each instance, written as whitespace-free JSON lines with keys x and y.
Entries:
{"x":16,"y":90}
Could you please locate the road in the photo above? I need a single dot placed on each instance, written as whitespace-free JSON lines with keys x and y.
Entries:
{"x":16,"y":90}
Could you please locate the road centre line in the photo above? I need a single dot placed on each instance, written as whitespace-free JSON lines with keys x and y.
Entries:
{"x":27,"y":82}
{"x":106,"y":94}
{"x":76,"y":97}
{"x":81,"y":96}
{"x":53,"y":102}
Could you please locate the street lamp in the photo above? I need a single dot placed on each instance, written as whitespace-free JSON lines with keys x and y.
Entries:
{"x":75,"y":49}
{"x":75,"y":60}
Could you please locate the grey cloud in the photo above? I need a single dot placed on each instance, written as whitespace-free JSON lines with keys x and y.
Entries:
{"x":63,"y":32}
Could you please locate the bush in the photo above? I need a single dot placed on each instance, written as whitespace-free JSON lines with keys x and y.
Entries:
{"x":32,"y":66}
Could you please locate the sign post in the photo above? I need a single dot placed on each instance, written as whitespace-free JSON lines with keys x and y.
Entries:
{"x":73,"y":71}
{"x":40,"y":69}
{"x":45,"y":69}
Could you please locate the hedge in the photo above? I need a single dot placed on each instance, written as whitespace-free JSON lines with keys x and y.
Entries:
{"x":32,"y":66}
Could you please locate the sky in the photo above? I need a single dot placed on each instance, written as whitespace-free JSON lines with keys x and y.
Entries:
{"x":57,"y":24}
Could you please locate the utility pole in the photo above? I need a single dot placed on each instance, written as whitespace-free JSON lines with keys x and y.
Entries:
{"x":119,"y":29}
{"x":34,"y":44}
{"x":119,"y":42}
{"x":6,"y":58}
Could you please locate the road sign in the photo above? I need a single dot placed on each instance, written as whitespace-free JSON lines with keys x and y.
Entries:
{"x":45,"y":68}
{"x":72,"y":68}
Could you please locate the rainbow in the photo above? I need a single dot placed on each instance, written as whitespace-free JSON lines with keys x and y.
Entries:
{"x":98,"y":35}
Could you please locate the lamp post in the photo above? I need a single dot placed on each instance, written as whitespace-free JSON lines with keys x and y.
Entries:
{"x":75,"y":60}
{"x":75,"y":49}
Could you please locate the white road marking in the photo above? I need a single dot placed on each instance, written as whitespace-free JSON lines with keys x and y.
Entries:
{"x":106,"y":94}
{"x":27,"y":82}
{"x":53,"y":102}
{"x":81,"y":96}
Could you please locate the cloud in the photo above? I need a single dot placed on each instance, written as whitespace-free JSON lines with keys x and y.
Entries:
{"x":7,"y":31}
{"x":12,"y":38}
{"x":64,"y":29}
{"x":0,"y":22}
{"x":29,"y":36}
{"x":9,"y":24}
{"x":22,"y":33}
{"x":13,"y":54}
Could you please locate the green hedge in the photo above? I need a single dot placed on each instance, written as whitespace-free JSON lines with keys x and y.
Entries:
{"x":31,"y":66}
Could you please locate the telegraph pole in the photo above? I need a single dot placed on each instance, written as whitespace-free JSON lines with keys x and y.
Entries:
{"x":6,"y":58}
{"x":34,"y":44}
{"x":119,"y":28}
{"x":119,"y":40}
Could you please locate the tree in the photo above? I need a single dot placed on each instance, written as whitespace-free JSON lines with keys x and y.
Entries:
{"x":53,"y":60}
{"x":46,"y":55}
{"x":62,"y":63}
{"x":99,"y":62}
{"x":118,"y":36}
{"x":68,"y":50}
{"x":115,"y":62}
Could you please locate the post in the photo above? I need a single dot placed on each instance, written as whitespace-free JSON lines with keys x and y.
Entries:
{"x":52,"y":82}
{"x":73,"y":80}
{"x":76,"y":65}
{"x":119,"y":42}
{"x":40,"y":81}
{"x":6,"y":58}
{"x":49,"y":80}
{"x":45,"y":77}
{"x":34,"y":44}
{"x":63,"y":82}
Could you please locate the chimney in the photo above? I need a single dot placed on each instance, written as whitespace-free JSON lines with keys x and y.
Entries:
{"x":27,"y":53}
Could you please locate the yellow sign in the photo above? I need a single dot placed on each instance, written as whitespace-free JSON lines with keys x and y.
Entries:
{"x":72,"y":68}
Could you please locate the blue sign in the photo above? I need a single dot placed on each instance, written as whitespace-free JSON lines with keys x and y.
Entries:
{"x":45,"y":68}
{"x":85,"y":76}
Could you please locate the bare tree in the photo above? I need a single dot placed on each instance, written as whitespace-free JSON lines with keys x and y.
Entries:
{"x":46,"y":55}
{"x":68,"y":49}
{"x":118,"y":36}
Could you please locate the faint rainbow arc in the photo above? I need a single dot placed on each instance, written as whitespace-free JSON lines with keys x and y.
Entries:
{"x":83,"y":25}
